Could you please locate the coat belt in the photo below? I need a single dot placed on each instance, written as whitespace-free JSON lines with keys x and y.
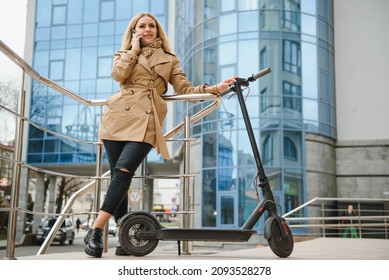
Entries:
{"x":161,"y":141}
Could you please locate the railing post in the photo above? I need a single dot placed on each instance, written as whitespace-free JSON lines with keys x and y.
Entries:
{"x":99,"y":171}
{"x":323,"y":218}
{"x":10,"y":251}
{"x":186,"y":196}
{"x":359,"y":220}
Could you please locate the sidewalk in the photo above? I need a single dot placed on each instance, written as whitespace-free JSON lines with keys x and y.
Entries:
{"x":315,"y":249}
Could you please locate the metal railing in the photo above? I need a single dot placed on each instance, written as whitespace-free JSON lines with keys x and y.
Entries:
{"x":331,"y":221}
{"x":96,"y":180}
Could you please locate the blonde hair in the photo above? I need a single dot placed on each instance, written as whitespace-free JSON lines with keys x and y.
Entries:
{"x":127,"y":37}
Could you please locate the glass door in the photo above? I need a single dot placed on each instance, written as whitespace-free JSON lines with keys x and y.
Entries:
{"x":227,"y":207}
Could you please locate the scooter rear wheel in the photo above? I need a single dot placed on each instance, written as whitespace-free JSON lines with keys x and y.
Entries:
{"x":280,"y":246}
{"x":128,"y":235}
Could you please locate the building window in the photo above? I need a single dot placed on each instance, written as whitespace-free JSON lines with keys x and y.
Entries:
{"x":227,"y":5}
{"x":56,"y":69}
{"x":291,"y":57}
{"x":263,"y":103}
{"x":210,"y":9}
{"x":59,"y":15}
{"x":267,"y":147}
{"x":262,"y":17}
{"x":291,"y":15}
{"x":107,"y":10}
{"x":104,"y":67}
{"x":262,"y":59}
{"x":290,"y":150}
{"x":292,"y":96}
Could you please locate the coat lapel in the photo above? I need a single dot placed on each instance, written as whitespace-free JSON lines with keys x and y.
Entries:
{"x":158,"y":57}
{"x":158,"y":61}
{"x":161,"y":62}
{"x":143,"y":61}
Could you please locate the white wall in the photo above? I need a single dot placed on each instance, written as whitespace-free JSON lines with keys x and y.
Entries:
{"x":362,"y":69}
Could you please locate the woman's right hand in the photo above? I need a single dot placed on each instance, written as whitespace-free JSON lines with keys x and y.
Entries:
{"x":135,"y":41}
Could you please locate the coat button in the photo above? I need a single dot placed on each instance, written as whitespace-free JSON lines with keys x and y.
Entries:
{"x":127,"y":108}
{"x":149,"y":96}
{"x":131,"y":92}
{"x":132,"y":82}
{"x":147,"y":112}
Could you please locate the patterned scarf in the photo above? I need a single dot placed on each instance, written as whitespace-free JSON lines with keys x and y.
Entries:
{"x":149,"y":48}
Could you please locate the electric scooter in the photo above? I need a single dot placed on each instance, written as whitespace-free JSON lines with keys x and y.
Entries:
{"x":140,"y":231}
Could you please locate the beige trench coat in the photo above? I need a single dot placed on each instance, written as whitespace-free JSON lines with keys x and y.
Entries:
{"x":137,"y":111}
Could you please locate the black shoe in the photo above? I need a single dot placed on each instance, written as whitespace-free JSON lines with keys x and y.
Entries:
{"x":94,"y":242}
{"x":119,"y":251}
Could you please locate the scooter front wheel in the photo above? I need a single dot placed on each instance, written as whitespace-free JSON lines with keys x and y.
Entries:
{"x":129,"y":232}
{"x":280,"y":246}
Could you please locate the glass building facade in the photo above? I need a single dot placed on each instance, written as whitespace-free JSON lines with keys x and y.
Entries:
{"x":217,"y":39}
{"x":74,"y":44}
{"x":214,"y":39}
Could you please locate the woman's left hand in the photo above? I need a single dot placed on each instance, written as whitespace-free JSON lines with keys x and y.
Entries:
{"x":225,"y":84}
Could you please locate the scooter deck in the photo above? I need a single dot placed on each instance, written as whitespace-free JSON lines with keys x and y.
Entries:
{"x":179,"y":234}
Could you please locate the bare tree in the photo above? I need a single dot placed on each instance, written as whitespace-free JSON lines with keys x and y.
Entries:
{"x":9,"y":100}
{"x":66,"y":188}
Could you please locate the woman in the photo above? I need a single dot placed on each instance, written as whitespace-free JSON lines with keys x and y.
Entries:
{"x":133,"y":121}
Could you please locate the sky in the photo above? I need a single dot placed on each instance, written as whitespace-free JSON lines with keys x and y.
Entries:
{"x":12,"y":31}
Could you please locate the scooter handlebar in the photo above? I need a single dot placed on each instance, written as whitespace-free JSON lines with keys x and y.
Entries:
{"x":260,"y":74}
{"x":252,"y":78}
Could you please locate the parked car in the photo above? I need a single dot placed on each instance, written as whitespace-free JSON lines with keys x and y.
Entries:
{"x":65,"y":233}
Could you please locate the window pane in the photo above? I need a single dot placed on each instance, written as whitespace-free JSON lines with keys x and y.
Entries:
{"x":209,"y":150}
{"x":210,"y":29}
{"x":43,"y":14}
{"x":123,"y":9}
{"x":248,"y":21}
{"x":104,"y":67}
{"x":56,"y":70}
{"x":58,"y":32}
{"x":211,"y":8}
{"x":228,"y":24}
{"x":74,"y":31}
{"x":75,"y":11}
{"x":310,"y":110}
{"x":92,"y":12}
{"x":106,"y":10}
{"x":227,"y":54}
{"x":90,"y":30}
{"x":59,"y":15}
{"x":227,"y":5}
{"x":209,"y":198}
{"x":248,"y":5}
{"x":140,"y":6}
{"x":309,"y":74}
{"x":158,"y":7}
{"x":88,"y":63}
{"x":73,"y":59}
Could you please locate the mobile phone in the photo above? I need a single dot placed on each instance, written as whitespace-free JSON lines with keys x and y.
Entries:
{"x":133,"y":32}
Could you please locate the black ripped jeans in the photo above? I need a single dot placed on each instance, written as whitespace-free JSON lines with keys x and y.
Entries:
{"x":122,"y":154}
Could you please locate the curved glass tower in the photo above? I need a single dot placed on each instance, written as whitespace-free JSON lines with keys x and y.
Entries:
{"x":216,"y":39}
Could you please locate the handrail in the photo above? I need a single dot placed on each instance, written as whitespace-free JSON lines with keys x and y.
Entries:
{"x":27,"y":69}
{"x":366,"y":222}
{"x":57,"y":225}
{"x":331,"y":199}
{"x":93,"y":102}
